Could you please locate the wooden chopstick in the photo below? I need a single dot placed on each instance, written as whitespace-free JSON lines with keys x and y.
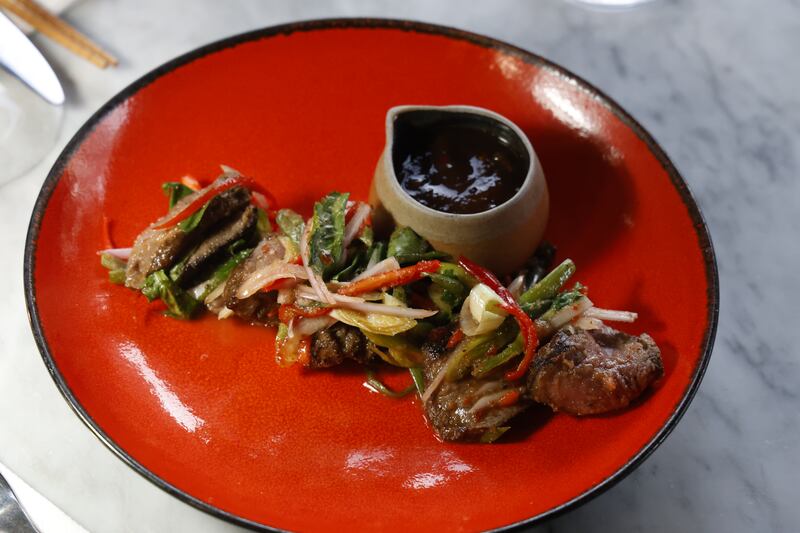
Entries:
{"x":58,"y":30}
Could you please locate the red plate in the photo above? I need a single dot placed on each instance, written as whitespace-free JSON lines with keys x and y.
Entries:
{"x":201,"y":409}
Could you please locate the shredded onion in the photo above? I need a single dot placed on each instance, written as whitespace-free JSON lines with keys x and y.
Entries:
{"x":119,"y":253}
{"x":316,"y":283}
{"x":565,"y":315}
{"x":488,"y":401}
{"x":434,"y":384}
{"x":587,"y":323}
{"x":356,"y":221}
{"x":387,"y":265}
{"x":231,"y":171}
{"x":274,"y":271}
{"x":224,"y":313}
{"x":310,"y":325}
{"x":610,"y":314}
{"x":286,"y":296}
{"x":488,"y":387}
{"x":515,"y":287}
{"x":305,"y":291}
{"x":390,"y":310}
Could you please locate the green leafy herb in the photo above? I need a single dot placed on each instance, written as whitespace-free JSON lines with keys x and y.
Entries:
{"x":564,"y":299}
{"x":263,"y":224}
{"x":375,"y":384}
{"x":326,"y":248}
{"x":116,"y":268}
{"x":405,"y":242}
{"x":410,"y":259}
{"x":291,"y":224}
{"x":485,"y":366}
{"x":419,"y":379}
{"x":224,"y":271}
{"x":180,"y":304}
{"x":357,"y":263}
{"x":367,"y":236}
{"x":189,"y":223}
{"x":549,"y":286}
{"x":175,"y":191}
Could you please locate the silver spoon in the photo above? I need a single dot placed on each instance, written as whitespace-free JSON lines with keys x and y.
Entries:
{"x":12,"y":516}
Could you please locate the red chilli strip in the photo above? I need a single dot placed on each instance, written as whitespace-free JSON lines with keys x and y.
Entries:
{"x":526,"y":325}
{"x":393,"y":278}
{"x":287,"y":312}
{"x":455,"y":338}
{"x":207,"y":194}
{"x":508,"y":399}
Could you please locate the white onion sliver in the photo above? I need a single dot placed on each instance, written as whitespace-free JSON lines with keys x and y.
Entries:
{"x":119,"y":253}
{"x":356,"y":221}
{"x":488,"y":401}
{"x":515,"y":287}
{"x":389,"y":310}
{"x":434,"y":384}
{"x":611,"y":315}
{"x":286,"y":296}
{"x":310,"y":325}
{"x":587,"y":323}
{"x":569,"y":312}
{"x":261,"y":278}
{"x":224,"y":313}
{"x":307,"y":292}
{"x":387,"y":265}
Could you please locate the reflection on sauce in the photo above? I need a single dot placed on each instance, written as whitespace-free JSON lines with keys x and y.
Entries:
{"x":457,"y":162}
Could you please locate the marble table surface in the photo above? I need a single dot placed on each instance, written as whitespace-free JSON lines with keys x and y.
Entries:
{"x":716,"y":83}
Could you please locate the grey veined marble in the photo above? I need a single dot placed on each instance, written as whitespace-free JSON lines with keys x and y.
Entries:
{"x":716,"y":82}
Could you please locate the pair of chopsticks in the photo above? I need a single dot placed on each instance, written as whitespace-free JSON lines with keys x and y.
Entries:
{"x":56,"y":29}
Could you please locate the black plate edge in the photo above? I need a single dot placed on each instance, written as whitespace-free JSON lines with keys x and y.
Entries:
{"x":701,"y":230}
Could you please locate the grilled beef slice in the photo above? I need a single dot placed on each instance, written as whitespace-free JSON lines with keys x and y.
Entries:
{"x":261,"y":306}
{"x":158,"y":249}
{"x":590,"y":372}
{"x":212,"y":246}
{"x":453,"y":410}
{"x":332,"y":345}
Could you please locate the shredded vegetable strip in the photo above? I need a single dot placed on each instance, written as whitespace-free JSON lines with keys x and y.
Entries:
{"x":376,"y":385}
{"x":526,"y":326}
{"x":203,"y":196}
{"x":394,"y":278}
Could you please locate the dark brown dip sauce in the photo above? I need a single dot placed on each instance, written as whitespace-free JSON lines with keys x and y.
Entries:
{"x":457,"y":162}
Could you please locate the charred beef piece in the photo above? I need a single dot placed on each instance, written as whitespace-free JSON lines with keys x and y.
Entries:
{"x":468,"y":409}
{"x":332,"y":345}
{"x":590,"y":372}
{"x":201,"y":257}
{"x":261,"y":307}
{"x":158,"y":249}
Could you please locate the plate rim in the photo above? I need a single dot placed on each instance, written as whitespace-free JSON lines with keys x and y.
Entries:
{"x":687,"y":198}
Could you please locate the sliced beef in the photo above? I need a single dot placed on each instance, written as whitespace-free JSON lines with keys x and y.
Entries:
{"x":590,"y":372}
{"x":332,"y":345}
{"x":214,"y":245}
{"x":158,"y":249}
{"x":468,"y":409}
{"x":261,"y":307}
